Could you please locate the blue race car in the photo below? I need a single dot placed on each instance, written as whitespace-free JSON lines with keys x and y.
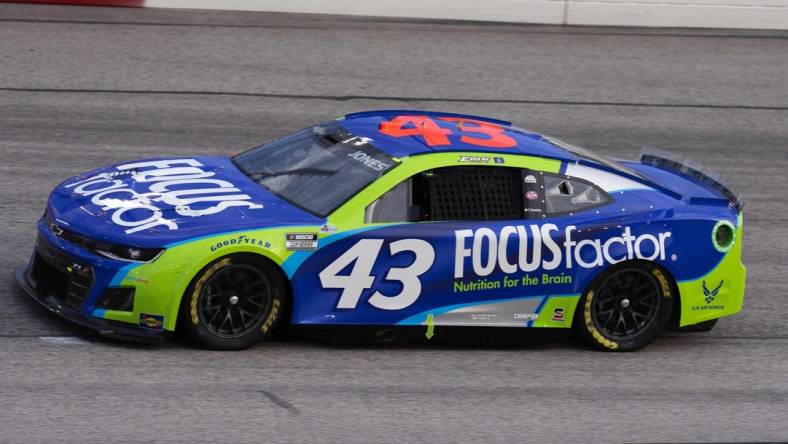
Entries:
{"x":392,"y":221}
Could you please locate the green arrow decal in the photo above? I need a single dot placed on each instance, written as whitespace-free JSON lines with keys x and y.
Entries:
{"x":430,"y":326}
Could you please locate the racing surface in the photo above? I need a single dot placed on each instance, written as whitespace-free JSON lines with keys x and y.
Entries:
{"x":82,"y":87}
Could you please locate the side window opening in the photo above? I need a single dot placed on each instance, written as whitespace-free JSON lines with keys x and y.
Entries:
{"x":484,"y":193}
{"x":452,"y":194}
{"x":394,"y":206}
{"x":565,"y":195}
{"x":470,"y":193}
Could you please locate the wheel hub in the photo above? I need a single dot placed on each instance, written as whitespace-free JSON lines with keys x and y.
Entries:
{"x":626,"y":303}
{"x":235,"y":300}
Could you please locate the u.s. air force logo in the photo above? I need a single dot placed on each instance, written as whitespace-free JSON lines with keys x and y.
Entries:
{"x":711,"y":294}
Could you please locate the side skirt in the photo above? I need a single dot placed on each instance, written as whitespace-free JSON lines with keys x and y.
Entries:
{"x":463,"y":336}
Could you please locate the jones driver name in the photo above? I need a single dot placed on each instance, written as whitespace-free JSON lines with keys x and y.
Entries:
{"x":488,"y":250}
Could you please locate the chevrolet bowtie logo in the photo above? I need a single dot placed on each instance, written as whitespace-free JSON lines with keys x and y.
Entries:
{"x":55,"y":229}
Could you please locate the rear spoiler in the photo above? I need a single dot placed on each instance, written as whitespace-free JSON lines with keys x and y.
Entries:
{"x":691,"y":171}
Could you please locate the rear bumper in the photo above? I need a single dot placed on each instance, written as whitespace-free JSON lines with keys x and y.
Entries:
{"x":116,"y":330}
{"x":720,"y":292}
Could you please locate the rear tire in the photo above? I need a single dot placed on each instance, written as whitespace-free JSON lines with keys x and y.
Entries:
{"x":233,"y":303}
{"x":625,"y":308}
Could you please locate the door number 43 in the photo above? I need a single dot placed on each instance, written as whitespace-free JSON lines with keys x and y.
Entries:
{"x":363,"y":256}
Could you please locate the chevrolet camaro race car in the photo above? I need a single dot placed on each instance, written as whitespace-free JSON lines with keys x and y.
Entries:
{"x":389,"y":220}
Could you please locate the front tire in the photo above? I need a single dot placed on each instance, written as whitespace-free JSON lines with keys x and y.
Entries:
{"x":233,"y":303}
{"x":625,"y":308}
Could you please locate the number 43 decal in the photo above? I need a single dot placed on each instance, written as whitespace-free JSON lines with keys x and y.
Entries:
{"x":478,"y":133}
{"x":364,"y":253}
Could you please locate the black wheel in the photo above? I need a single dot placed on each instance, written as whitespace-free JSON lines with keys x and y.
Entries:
{"x":625,"y":308}
{"x":233,"y":303}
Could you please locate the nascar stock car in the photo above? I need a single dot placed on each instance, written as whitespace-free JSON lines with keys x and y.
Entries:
{"x":389,"y":220}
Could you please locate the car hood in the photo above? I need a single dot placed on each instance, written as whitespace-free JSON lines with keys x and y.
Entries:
{"x":155,"y":202}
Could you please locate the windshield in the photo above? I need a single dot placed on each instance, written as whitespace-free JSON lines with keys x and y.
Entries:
{"x":317,"y":169}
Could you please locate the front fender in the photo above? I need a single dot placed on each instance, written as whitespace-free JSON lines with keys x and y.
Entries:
{"x":160,"y":285}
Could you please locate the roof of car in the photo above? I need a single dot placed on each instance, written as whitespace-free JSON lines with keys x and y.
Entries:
{"x":420,"y":132}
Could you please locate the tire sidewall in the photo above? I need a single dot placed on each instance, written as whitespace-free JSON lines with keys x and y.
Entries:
{"x":190,"y":316}
{"x":584,"y":323}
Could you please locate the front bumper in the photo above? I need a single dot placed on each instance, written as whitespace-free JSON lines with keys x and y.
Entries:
{"x":114,"y":329}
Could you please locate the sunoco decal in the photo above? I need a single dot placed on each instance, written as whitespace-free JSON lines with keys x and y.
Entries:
{"x":177,"y":183}
{"x":153,"y":322}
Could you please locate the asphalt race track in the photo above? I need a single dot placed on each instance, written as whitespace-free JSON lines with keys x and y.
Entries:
{"x":81,"y":87}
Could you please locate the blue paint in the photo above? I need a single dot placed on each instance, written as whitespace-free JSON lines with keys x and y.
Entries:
{"x":121,"y":274}
{"x":99,"y":313}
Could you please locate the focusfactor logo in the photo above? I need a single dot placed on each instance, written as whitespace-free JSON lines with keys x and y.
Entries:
{"x":488,"y":250}
{"x":178,"y":183}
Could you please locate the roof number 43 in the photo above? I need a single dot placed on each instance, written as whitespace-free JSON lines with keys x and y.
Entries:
{"x":474,"y":132}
